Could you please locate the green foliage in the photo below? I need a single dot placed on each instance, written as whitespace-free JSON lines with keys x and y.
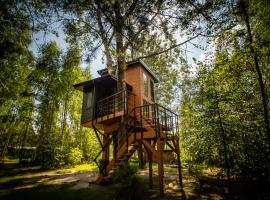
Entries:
{"x":124,"y":174}
{"x":75,"y":156}
{"x":126,"y":184}
{"x":222,"y":106}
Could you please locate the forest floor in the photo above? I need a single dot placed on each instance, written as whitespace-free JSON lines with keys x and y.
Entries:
{"x":75,"y":183}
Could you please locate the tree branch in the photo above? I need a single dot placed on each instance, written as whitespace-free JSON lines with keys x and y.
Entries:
{"x":166,"y":50}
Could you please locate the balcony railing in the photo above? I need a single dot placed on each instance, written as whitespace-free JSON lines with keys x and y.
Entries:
{"x":122,"y":101}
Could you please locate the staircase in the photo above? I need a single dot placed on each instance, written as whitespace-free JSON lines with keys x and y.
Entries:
{"x":145,"y":122}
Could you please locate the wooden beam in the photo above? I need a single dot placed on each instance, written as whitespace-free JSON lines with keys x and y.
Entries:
{"x":106,"y":152}
{"x":108,"y":129}
{"x":140,"y":156}
{"x":121,"y":151}
{"x":177,"y":148}
{"x":172,"y":148}
{"x":160,"y":145}
{"x":149,"y":147}
{"x":150,"y":162}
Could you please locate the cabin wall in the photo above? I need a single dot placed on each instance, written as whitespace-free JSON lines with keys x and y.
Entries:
{"x":133,"y":78}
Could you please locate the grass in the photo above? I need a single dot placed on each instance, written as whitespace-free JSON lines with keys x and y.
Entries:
{"x":65,"y":193}
{"x":11,"y":160}
{"x":28,"y":183}
{"x":76,"y":168}
{"x":36,"y":171}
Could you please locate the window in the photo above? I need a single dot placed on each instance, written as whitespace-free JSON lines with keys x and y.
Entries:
{"x":152,"y":90}
{"x":145,"y":85}
{"x":145,"y":109}
{"x":88,"y":99}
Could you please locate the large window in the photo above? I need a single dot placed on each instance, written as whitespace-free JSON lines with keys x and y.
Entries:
{"x":145,"y":85}
{"x":152,"y":90}
{"x":88,"y":99}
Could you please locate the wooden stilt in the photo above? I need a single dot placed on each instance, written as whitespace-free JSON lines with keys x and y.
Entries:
{"x":150,"y":161}
{"x":140,"y":156}
{"x":179,"y":163}
{"x":160,"y":165}
{"x":105,"y":154}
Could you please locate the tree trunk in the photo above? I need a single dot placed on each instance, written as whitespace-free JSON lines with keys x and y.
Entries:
{"x":263,"y":90}
{"x":7,"y":141}
{"x":120,"y":51}
{"x":21,"y":150}
{"x":64,"y":124}
{"x":224,"y":142}
{"x":105,"y":41}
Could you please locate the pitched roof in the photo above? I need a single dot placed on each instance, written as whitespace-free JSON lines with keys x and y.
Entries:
{"x":96,"y":81}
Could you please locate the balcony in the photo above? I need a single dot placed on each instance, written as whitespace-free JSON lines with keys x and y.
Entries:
{"x":110,"y":107}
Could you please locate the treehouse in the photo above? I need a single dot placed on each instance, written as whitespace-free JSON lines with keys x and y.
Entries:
{"x":129,"y":120}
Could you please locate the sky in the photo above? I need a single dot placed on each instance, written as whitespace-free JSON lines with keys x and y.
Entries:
{"x":39,"y":39}
{"x":96,"y":64}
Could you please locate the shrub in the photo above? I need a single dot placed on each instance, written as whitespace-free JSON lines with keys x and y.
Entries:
{"x":75,"y":156}
{"x":127,"y":185}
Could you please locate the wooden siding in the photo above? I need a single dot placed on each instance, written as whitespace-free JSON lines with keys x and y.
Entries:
{"x":133,"y":78}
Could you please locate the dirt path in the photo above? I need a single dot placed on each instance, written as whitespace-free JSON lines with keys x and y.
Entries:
{"x":82,"y":180}
{"x":78,"y":184}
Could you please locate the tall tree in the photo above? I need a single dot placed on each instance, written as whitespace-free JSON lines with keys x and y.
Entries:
{"x":16,"y":63}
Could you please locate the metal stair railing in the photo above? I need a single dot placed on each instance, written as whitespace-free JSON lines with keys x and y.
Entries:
{"x":102,"y":164}
{"x":160,"y":118}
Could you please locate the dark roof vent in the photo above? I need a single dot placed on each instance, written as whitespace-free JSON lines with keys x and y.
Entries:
{"x":103,"y":72}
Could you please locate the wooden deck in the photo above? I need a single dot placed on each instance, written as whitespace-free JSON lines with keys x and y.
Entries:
{"x":104,"y":119}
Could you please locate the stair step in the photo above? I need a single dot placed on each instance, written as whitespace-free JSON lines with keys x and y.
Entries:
{"x":126,"y":154}
{"x":106,"y":180}
{"x":107,"y":177}
{"x":111,"y":172}
{"x":119,"y":163}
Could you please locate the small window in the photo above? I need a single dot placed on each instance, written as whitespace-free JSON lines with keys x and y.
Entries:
{"x":88,"y":99}
{"x":152,"y":90}
{"x":145,"y":85}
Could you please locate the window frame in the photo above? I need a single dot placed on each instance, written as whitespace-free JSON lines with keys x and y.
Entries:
{"x":145,"y":84}
{"x":88,"y":100}
{"x":152,"y":90}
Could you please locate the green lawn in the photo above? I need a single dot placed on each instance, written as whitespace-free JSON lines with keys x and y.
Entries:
{"x":73,"y":183}
{"x":36,"y":171}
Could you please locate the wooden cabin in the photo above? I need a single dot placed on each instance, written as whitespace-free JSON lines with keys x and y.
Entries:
{"x":130,"y":120}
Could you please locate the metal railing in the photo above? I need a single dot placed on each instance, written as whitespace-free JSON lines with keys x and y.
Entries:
{"x":120,"y":101}
{"x":136,"y":119}
{"x":161,"y":119}
{"x":158,"y":117}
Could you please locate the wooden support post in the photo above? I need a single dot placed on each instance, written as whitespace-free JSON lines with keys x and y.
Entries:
{"x":160,"y":144}
{"x":150,"y":161}
{"x":179,"y":163}
{"x":105,"y":153}
{"x":140,"y":156}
